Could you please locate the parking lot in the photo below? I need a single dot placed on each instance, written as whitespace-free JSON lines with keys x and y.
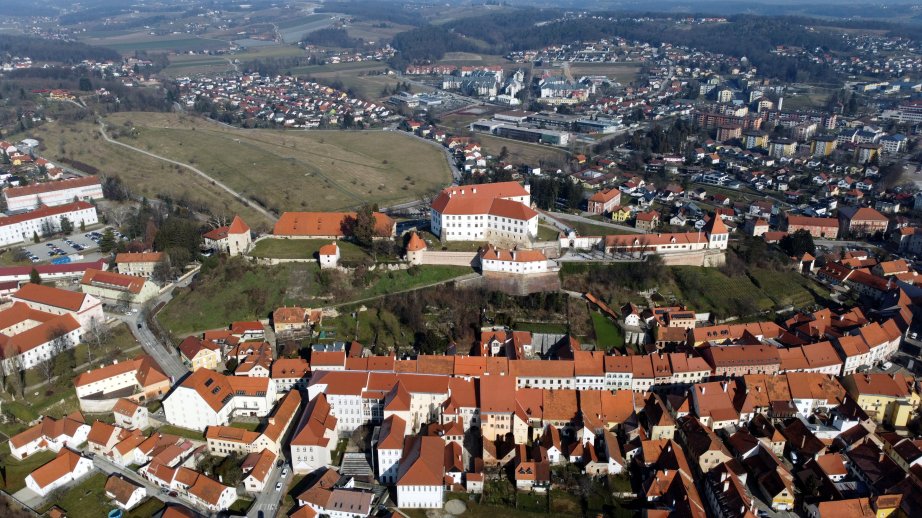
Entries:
{"x":82,"y":243}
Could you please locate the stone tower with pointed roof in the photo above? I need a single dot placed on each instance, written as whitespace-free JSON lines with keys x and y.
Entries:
{"x":233,"y":239}
{"x":718,"y":235}
{"x":416,"y":248}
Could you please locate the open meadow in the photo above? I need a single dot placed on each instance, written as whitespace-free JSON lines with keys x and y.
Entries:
{"x":282,"y":170}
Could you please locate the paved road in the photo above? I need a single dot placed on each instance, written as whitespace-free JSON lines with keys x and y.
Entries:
{"x":272,"y":217}
{"x":268,"y":500}
{"x":556,"y":216}
{"x":165,"y":355}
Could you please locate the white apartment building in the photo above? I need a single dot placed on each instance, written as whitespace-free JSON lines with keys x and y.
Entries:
{"x":50,"y":194}
{"x":86,"y":309}
{"x":315,"y":437}
{"x":498,"y":213}
{"x":45,"y":220}
{"x":208,"y":398}
{"x":31,"y":336}
{"x":389,"y":449}
{"x":522,"y":262}
{"x":421,"y":475}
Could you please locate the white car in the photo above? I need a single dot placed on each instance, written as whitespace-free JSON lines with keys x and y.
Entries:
{"x":278,"y":487}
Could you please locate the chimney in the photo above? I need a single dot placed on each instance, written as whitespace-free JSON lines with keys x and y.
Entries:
{"x":462,"y":191}
{"x":114,"y":362}
{"x":726,"y":485}
{"x":703,"y":389}
{"x":473,"y":190}
{"x":725,"y":384}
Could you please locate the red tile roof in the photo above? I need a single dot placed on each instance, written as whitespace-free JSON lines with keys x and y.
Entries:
{"x":39,"y":188}
{"x":326,"y":224}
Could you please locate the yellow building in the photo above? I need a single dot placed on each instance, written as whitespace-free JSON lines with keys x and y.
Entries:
{"x":620,"y":214}
{"x":887,"y":398}
{"x":200,"y":354}
{"x":822,"y":146}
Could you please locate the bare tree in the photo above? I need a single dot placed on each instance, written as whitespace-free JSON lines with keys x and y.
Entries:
{"x":119,"y":215}
{"x":13,"y":369}
{"x":98,"y":334}
{"x":218,"y":220}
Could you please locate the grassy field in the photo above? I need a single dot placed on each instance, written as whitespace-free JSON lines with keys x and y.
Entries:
{"x":522,"y":152}
{"x":287,"y":170}
{"x":181,"y":432}
{"x":607,"y":334}
{"x":542,"y":327}
{"x":225,"y":296}
{"x":304,"y":249}
{"x":786,"y":289}
{"x":369,"y":32}
{"x":134,"y":41}
{"x":147,"y":176}
{"x":145,"y":509}
{"x":364,"y":78}
{"x":547,"y":233}
{"x":376,"y":326}
{"x":590,"y":229}
{"x":198,"y":64}
{"x":251,"y":292}
{"x":709,"y":288}
{"x":87,"y":498}
{"x":402,"y":280}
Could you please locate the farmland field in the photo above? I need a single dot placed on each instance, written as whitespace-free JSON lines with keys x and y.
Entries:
{"x":128,"y":43}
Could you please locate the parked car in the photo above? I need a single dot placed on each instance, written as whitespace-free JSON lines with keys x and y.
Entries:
{"x":278,"y":487}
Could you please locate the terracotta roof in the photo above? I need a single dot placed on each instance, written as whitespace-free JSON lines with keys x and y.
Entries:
{"x":325,"y":224}
{"x":49,"y":427}
{"x":289,"y":315}
{"x":422,"y":463}
{"x":48,"y":269}
{"x":263,"y":465}
{"x":328,"y":250}
{"x":146,"y":370}
{"x":101,"y":433}
{"x":65,"y":462}
{"x":864,"y":214}
{"x":316,"y":421}
{"x":44,"y":212}
{"x":138,"y":257}
{"x":216,"y":234}
{"x":513,"y":255}
{"x":888,"y":385}
{"x":392,"y":433}
{"x":484,"y":199}
{"x":55,"y":297}
{"x":192,"y":345}
{"x":715,"y":225}
{"x":125,"y":407}
{"x":282,"y":415}
{"x":207,"y":489}
{"x":39,"y":188}
{"x":807,"y":221}
{"x":112,"y":280}
{"x":120,"y":488}
{"x":290,"y":368}
{"x":238,"y":226}
{"x":415,"y":243}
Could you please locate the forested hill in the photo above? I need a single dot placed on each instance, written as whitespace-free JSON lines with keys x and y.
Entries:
{"x":53,"y":50}
{"x":744,"y":35}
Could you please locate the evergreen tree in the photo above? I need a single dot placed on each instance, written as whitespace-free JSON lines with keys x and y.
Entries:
{"x":34,"y":277}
